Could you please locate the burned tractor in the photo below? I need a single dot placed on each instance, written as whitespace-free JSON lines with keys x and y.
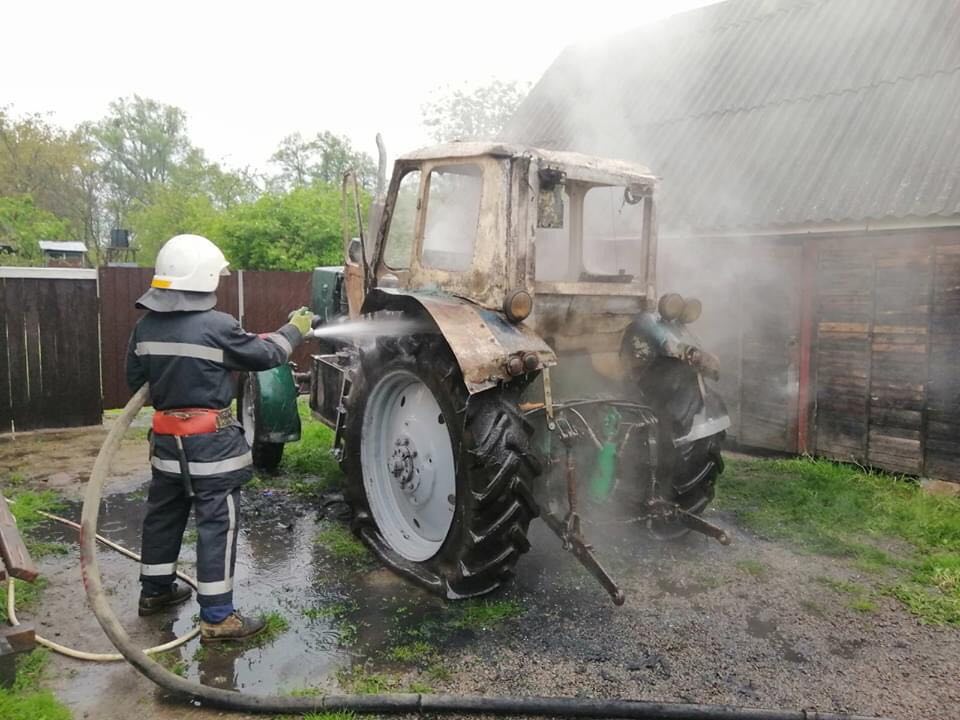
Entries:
{"x":525,"y":367}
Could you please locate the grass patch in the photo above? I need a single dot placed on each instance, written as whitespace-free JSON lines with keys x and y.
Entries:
{"x":277,"y":625}
{"x":306,"y":692}
{"x":28,"y":594}
{"x":311,"y":456}
{"x":419,"y":687}
{"x":864,"y":605}
{"x":486,"y":614}
{"x":754,"y":568}
{"x":843,"y":511}
{"x":333,"y":611}
{"x":339,"y":715}
{"x":41,"y":548}
{"x":418,"y":652}
{"x":172,"y":661}
{"x":27,"y":505}
{"x":360,"y":681}
{"x":341,"y":545}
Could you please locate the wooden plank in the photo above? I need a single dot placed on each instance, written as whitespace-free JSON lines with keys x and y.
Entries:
{"x":13,"y":551}
{"x":6,"y":403}
{"x":16,"y":347}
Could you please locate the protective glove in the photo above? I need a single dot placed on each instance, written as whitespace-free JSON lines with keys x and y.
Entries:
{"x":302,"y":320}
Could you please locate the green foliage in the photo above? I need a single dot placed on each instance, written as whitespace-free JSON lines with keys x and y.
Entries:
{"x":477,"y":113}
{"x":843,"y":511}
{"x":338,"y":715}
{"x":334,"y":611}
{"x":417,"y":652}
{"x":325,"y":159}
{"x":311,"y":455}
{"x":54,"y":168}
{"x":172,"y":661}
{"x":294,"y":231}
{"x":342,"y":546}
{"x":359,"y":681}
{"x":172,"y":210}
{"x":27,"y":505}
{"x":487,"y":614}
{"x":25,"y":700}
{"x":137,"y":168}
{"x":23,"y":225}
{"x":277,"y":624}
{"x":753,"y":567}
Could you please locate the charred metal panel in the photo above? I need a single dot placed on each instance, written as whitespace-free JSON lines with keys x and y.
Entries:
{"x":481,"y":340}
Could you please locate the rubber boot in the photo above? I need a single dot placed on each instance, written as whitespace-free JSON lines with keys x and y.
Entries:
{"x":234,"y":627}
{"x":151,"y":604}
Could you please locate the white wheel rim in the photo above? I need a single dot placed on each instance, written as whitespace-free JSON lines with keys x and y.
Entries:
{"x":409,"y":472}
{"x":248,"y":417}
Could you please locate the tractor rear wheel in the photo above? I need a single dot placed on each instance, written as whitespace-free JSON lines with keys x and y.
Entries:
{"x":688,"y":475}
{"x":441,"y":480}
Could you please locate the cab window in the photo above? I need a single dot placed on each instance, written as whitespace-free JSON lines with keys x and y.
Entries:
{"x":612,"y":233}
{"x":403,"y":222}
{"x":452,"y":216}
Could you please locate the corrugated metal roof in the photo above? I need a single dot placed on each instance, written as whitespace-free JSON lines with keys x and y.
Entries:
{"x":63,"y":246}
{"x":759,"y":113}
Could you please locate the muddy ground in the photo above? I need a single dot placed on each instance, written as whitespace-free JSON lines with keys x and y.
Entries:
{"x":755,"y":624}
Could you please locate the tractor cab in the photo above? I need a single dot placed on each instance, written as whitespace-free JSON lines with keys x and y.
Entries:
{"x":482,"y":221}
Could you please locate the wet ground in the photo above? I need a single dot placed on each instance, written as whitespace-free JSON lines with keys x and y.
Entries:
{"x":753,"y":624}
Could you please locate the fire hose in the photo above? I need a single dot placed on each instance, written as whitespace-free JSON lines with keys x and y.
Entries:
{"x":406,"y":703}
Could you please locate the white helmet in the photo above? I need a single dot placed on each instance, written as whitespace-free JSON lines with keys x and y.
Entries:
{"x":189,"y":262}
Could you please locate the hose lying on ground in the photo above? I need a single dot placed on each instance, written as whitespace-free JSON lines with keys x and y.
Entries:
{"x":82,"y":654}
{"x":388,"y":703}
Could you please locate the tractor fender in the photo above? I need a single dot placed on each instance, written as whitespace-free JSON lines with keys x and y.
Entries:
{"x":277,"y":419}
{"x":483,"y":341}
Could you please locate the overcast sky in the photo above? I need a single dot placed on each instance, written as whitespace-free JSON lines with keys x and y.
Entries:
{"x":248,"y":73}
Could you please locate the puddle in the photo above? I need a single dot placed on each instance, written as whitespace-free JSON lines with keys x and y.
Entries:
{"x":768,"y":630}
{"x":338,"y":614}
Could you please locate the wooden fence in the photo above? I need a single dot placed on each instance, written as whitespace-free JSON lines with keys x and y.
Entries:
{"x":842,"y":345}
{"x":259,"y":299}
{"x":49,"y":367}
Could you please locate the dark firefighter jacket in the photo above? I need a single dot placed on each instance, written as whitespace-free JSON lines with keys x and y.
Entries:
{"x":187,"y":357}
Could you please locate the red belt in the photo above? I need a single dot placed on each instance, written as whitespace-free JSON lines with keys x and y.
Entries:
{"x":191,"y":421}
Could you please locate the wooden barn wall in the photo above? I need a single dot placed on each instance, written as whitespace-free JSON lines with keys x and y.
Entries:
{"x":867,"y":373}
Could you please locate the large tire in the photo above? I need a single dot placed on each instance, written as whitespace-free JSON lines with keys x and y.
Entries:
{"x":688,"y":475}
{"x":493,"y":465}
{"x":266,"y":455}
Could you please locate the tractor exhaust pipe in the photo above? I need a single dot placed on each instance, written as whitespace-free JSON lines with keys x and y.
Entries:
{"x":390,"y":703}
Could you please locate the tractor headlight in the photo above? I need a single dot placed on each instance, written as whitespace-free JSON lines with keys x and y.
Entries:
{"x":691,"y":311}
{"x":518,"y":305}
{"x":671,"y":307}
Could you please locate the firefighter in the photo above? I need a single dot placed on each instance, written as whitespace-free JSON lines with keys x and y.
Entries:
{"x":186,"y":350}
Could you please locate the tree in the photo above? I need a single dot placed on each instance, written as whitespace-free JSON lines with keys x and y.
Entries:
{"x":23,"y":225}
{"x":479,"y":113}
{"x":52,"y":166}
{"x":325,"y":158}
{"x":172,"y":210}
{"x":297,"y":230}
{"x":140,"y":143}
